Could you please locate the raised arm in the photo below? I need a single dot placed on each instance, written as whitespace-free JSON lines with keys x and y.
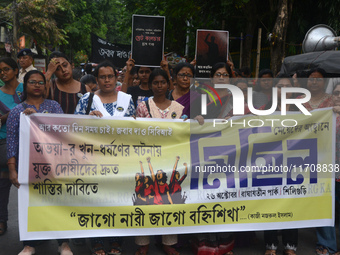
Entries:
{"x":185,"y":173}
{"x":175,"y":166}
{"x":151,"y":169}
{"x":186,"y":169}
{"x":165,"y":66}
{"x":174,"y":170}
{"x":141,"y":167}
{"x":127,"y":82}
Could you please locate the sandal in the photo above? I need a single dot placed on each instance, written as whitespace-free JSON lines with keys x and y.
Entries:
{"x":170,"y":250}
{"x":94,"y":250}
{"x":289,"y":252}
{"x":270,"y":252}
{"x":28,"y":250}
{"x":142,"y":250}
{"x":3,"y":228}
{"x":115,"y":249}
{"x":321,"y":251}
{"x":64,"y":249}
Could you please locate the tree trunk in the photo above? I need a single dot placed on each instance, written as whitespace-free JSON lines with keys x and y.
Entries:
{"x":278,"y":38}
{"x":15,"y":30}
{"x":250,"y":15}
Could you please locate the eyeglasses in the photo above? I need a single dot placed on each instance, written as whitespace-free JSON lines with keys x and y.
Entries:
{"x":104,"y":77}
{"x":221,"y":74}
{"x":6,"y":69}
{"x":182,"y":75}
{"x":33,"y":83}
{"x":336,"y":93}
{"x":315,"y":79}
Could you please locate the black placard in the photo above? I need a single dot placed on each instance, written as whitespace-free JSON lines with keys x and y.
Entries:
{"x":148,"y":40}
{"x":211,"y":48}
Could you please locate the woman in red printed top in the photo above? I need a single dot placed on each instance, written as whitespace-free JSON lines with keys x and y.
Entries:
{"x":144,"y":188}
{"x":162,"y":191}
{"x":175,"y":183}
{"x":139,"y":178}
{"x":149,"y":190}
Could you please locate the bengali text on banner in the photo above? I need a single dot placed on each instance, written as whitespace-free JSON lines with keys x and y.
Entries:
{"x":83,"y":176}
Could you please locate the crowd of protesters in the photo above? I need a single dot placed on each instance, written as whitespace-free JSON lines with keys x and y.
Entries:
{"x":166,"y":92}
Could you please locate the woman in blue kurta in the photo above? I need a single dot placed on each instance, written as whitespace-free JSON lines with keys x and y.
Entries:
{"x":33,"y":102}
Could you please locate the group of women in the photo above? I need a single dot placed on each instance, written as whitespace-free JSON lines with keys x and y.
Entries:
{"x":154,"y":97}
{"x":66,"y":95}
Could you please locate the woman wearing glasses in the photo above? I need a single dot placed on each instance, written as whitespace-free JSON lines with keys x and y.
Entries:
{"x":220,"y":74}
{"x":64,"y":89}
{"x":316,"y":85}
{"x":33,"y":101}
{"x":181,"y":93}
{"x":106,"y":101}
{"x":9,"y":97}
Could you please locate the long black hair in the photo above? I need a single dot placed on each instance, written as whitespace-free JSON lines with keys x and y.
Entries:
{"x":164,"y":178}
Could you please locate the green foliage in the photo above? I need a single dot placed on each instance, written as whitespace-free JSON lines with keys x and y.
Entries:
{"x":80,"y":57}
{"x":70,"y":22}
{"x":37,"y":20}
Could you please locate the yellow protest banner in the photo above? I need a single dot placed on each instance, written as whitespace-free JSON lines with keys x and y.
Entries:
{"x":83,"y":176}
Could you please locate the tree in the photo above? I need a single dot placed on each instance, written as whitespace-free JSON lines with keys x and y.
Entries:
{"x":82,"y":17}
{"x":35,"y":19}
{"x":278,"y":35}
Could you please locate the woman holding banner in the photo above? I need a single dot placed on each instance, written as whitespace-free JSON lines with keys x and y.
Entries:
{"x":181,"y":93}
{"x":327,"y":243}
{"x":159,"y":107}
{"x":316,"y":86}
{"x":105,"y":102}
{"x":33,"y":102}
{"x":289,"y":236}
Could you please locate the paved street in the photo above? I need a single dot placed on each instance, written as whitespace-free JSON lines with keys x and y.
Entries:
{"x":10,"y":244}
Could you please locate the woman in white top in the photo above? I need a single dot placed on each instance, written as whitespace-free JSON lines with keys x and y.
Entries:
{"x":106,"y":101}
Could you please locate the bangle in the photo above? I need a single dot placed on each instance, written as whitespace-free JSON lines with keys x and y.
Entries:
{"x":8,"y":163}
